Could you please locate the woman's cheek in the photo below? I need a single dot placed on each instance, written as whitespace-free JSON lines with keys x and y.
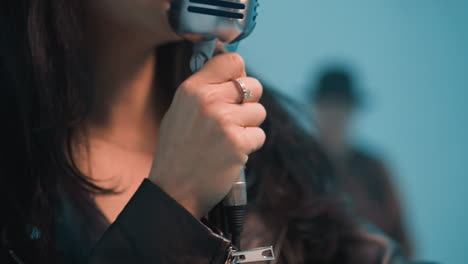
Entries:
{"x":145,"y":18}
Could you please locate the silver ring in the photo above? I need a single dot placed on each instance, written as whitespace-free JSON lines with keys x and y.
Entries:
{"x":246,"y":93}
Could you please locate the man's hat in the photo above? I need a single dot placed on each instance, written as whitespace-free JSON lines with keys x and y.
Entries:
{"x":336,"y":84}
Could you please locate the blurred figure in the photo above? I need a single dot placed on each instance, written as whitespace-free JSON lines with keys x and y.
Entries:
{"x":363,"y":177}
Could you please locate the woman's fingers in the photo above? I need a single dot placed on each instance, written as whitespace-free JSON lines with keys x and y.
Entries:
{"x":231,"y":91}
{"x":220,"y":69}
{"x":244,"y":115}
{"x":206,"y":134}
{"x":250,"y":139}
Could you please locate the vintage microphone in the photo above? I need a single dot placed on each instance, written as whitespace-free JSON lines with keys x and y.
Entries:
{"x":205,"y":22}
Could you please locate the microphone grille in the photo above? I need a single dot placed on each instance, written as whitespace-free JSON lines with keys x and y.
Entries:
{"x":201,"y":20}
{"x":218,"y":8}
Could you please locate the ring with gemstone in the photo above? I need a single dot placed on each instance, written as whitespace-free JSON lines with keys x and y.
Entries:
{"x":246,"y":93}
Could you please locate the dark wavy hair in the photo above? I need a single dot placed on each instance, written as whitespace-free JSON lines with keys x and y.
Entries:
{"x":292,"y":185}
{"x":45,"y":96}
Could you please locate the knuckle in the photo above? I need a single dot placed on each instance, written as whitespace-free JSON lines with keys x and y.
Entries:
{"x":251,"y":142}
{"x":262,"y":111}
{"x":257,"y":83}
{"x":258,"y":141}
{"x":263,"y":137}
{"x":260,"y":87}
{"x":235,"y":139}
{"x":244,"y":158}
{"x":207,"y":97}
{"x":223,"y":117}
{"x":237,"y":61}
{"x":189,"y":88}
{"x":217,"y":116}
{"x":206,"y":110}
{"x":227,"y":118}
{"x":202,"y":97}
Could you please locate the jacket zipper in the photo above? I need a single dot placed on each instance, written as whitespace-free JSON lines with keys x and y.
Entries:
{"x":252,"y":255}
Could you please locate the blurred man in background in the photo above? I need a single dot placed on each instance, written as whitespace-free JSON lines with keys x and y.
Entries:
{"x":362,"y":177}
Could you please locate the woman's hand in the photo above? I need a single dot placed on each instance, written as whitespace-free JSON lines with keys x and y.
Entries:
{"x":206,"y":135}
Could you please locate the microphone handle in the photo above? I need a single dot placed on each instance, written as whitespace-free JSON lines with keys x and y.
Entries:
{"x":235,"y":204}
{"x":237,"y":196}
{"x":202,"y":52}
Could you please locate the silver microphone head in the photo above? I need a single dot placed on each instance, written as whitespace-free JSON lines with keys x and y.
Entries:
{"x":203,"y":20}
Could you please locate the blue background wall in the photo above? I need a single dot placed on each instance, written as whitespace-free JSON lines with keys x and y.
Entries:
{"x":411,"y":57}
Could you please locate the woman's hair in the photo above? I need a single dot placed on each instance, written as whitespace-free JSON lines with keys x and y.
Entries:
{"x":46,"y":93}
{"x":292,"y":186}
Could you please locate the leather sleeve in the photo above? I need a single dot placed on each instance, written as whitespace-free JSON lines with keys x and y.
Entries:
{"x":154,"y":228}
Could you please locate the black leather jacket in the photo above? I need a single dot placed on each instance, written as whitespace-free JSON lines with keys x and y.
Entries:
{"x":154,"y":229}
